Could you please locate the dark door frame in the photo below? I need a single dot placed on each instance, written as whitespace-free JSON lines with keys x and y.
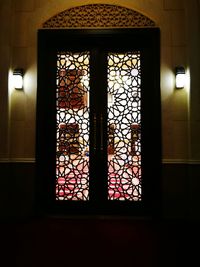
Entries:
{"x":147,"y":40}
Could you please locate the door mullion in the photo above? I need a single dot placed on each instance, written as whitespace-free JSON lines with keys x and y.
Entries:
{"x":98,"y":107}
{"x":102,"y":72}
{"x":95,"y":99}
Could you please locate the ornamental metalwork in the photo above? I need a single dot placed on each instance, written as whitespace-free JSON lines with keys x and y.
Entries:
{"x":124,"y":126}
{"x":72,"y":128}
{"x":98,"y":16}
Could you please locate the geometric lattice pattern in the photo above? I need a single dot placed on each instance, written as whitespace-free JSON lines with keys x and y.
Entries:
{"x":72,"y":129}
{"x":124,"y":126}
{"x":98,"y":15}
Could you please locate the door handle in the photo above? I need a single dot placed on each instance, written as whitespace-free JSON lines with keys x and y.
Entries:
{"x":101,"y":131}
{"x":95,"y":131}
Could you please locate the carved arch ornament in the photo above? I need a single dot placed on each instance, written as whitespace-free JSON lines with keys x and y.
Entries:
{"x":98,"y":16}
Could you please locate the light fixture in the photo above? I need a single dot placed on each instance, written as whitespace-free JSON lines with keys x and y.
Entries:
{"x":18,"y":78}
{"x":180,"y":77}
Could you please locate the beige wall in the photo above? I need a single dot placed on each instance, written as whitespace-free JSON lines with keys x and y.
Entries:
{"x":179,"y":24}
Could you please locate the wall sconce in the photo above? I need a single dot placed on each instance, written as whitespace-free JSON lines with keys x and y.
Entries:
{"x":180,"y":77}
{"x":18,"y":78}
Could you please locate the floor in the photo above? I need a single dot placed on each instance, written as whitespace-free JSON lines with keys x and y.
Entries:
{"x":98,"y":242}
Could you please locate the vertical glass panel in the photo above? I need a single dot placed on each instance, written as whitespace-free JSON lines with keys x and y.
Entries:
{"x":72,"y":129}
{"x":124,"y":126}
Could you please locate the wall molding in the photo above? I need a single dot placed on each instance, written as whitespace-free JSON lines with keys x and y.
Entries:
{"x":17,"y":160}
{"x":164,"y":161}
{"x":181,"y":161}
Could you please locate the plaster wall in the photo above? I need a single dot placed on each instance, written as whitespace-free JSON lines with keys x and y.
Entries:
{"x":20,"y":21}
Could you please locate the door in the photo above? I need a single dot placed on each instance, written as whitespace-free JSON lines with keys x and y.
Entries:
{"x":98,"y":121}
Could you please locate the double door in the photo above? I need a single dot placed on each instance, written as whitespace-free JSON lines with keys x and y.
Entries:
{"x":98,"y":124}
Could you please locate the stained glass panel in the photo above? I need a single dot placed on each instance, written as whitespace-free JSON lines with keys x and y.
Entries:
{"x":72,"y":128}
{"x":124,"y":126}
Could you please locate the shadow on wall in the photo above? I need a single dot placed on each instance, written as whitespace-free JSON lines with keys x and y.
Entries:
{"x":17,"y":186}
{"x":17,"y":191}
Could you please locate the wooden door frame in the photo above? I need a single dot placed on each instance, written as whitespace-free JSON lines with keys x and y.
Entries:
{"x":148,"y":41}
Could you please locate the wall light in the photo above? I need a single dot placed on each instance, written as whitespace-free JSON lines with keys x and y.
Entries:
{"x":18,"y":78}
{"x":180,"y":77}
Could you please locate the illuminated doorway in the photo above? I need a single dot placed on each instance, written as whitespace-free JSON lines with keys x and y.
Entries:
{"x":98,"y":121}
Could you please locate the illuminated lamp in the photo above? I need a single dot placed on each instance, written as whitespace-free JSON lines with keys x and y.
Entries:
{"x":180,"y":77}
{"x":18,"y":78}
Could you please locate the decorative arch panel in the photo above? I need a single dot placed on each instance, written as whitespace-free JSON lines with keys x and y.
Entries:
{"x":99,"y":16}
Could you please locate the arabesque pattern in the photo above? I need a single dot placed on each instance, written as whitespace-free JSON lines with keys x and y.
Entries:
{"x":124,"y":126}
{"x":72,"y":110}
{"x":98,"y":15}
